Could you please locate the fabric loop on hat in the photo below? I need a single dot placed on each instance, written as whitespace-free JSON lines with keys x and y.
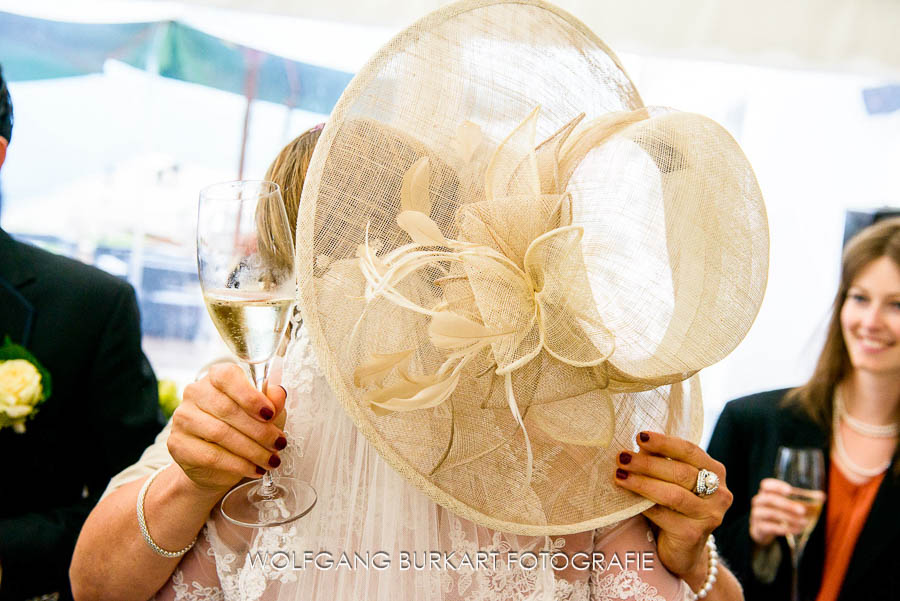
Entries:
{"x":521,"y":302}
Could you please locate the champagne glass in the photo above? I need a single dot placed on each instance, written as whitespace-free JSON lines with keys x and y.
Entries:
{"x":804,"y":470}
{"x":246,"y":267}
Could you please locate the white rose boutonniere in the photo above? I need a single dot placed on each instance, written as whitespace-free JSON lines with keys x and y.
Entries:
{"x":24,"y":384}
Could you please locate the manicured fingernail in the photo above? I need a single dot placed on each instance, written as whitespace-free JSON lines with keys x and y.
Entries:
{"x":274,"y":461}
{"x":644,"y":436}
{"x":621,"y":474}
{"x":624,"y":458}
{"x":284,"y":389}
{"x":260,"y":470}
{"x":280,"y":443}
{"x":266,"y":413}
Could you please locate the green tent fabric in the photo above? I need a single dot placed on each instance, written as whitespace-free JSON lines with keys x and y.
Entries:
{"x":191,"y":55}
{"x":33,"y":49}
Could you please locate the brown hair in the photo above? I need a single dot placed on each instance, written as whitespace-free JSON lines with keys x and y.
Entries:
{"x":288,"y":170}
{"x":815,"y":397}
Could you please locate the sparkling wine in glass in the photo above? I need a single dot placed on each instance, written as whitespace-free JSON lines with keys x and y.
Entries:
{"x":804,"y":470}
{"x":812,"y":501}
{"x":251,"y":323}
{"x":246,"y":267}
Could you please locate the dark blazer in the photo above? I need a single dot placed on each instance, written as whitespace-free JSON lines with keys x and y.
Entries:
{"x":83,"y":326}
{"x":745,"y":440}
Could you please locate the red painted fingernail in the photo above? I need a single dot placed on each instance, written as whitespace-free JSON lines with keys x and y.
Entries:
{"x":280,"y":443}
{"x":260,"y":470}
{"x":284,"y":389}
{"x":624,"y":458}
{"x":274,"y":461}
{"x":621,"y":474}
{"x":644,"y":437}
{"x":266,"y":413}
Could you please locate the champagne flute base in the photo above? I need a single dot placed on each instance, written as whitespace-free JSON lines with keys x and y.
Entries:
{"x":245,"y":505}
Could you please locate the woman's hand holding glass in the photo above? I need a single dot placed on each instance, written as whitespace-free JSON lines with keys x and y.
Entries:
{"x":772,"y":514}
{"x":666,"y":472}
{"x":245,"y":263}
{"x":225,"y":430}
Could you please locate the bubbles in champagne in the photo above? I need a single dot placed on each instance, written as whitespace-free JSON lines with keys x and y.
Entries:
{"x":250,"y":323}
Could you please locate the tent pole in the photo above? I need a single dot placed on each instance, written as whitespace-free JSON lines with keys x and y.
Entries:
{"x":251,"y":59}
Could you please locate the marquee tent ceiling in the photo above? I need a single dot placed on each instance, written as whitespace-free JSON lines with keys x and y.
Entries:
{"x":844,"y":35}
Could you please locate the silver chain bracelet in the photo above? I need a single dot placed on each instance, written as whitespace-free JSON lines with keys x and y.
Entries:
{"x":142,"y":523}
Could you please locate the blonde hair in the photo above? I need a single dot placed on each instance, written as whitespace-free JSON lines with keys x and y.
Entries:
{"x":288,"y":170}
{"x":815,"y":397}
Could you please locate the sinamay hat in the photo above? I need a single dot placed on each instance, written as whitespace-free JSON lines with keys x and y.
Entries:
{"x":509,"y":266}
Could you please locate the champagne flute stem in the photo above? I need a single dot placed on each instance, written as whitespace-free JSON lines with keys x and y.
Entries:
{"x":795,"y":574}
{"x":259,"y":372}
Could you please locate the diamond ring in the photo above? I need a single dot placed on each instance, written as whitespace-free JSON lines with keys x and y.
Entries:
{"x":707,"y":483}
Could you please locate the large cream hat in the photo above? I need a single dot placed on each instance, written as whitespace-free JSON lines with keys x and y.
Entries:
{"x":509,"y":266}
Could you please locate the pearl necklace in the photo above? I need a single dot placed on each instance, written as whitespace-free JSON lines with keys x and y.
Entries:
{"x":841,"y":412}
{"x":870,"y":430}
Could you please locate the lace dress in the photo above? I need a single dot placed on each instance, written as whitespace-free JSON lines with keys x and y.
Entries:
{"x":372,"y":536}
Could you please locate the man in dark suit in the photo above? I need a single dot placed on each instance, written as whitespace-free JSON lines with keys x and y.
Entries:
{"x":83,"y":326}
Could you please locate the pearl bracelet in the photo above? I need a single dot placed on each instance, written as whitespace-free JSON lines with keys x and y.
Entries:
{"x":712,"y":570}
{"x":142,"y":523}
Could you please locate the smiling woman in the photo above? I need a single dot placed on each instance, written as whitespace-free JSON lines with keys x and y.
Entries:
{"x":849,"y":408}
{"x":870,"y":318}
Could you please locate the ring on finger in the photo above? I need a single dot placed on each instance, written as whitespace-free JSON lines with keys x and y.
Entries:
{"x":707,"y":483}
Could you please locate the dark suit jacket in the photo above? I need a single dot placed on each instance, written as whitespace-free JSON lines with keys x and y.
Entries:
{"x":746,"y":439}
{"x":82,"y":325}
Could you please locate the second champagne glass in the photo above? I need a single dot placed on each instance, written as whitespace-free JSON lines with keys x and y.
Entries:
{"x":804,"y":470}
{"x":246,"y":268}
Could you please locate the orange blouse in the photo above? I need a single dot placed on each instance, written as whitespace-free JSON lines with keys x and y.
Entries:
{"x":848,"y":508}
